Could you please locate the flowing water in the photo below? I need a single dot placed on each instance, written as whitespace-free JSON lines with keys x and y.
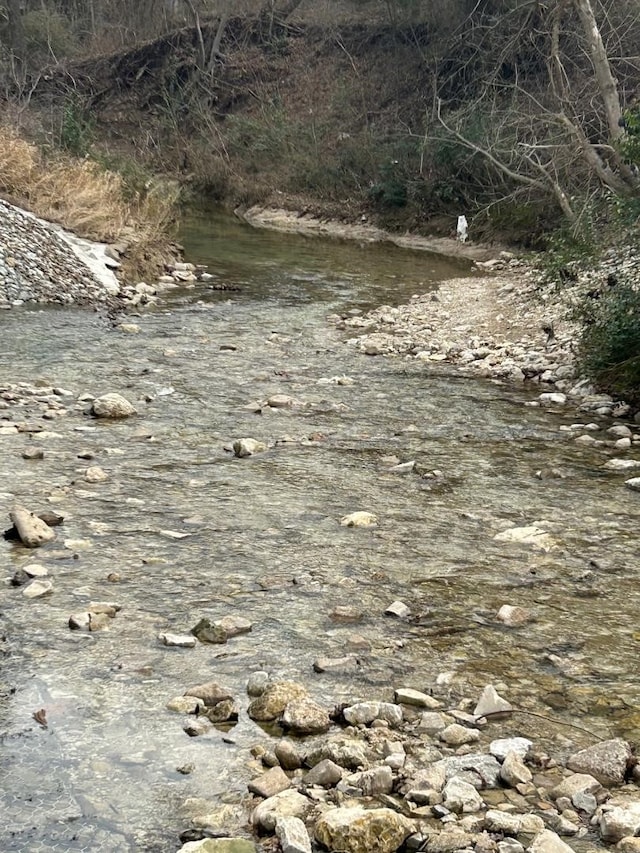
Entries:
{"x":263,"y":538}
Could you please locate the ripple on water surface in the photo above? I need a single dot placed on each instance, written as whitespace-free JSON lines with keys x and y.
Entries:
{"x":261,"y":537}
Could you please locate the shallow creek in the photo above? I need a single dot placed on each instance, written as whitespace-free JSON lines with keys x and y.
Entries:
{"x":264,"y":540}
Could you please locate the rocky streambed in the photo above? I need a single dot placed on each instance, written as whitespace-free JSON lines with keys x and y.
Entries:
{"x":287,"y":577}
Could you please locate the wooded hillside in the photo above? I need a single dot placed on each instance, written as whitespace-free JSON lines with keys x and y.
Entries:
{"x":523,"y":113}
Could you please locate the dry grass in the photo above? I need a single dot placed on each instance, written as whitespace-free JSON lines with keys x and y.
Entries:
{"x":87,"y":199}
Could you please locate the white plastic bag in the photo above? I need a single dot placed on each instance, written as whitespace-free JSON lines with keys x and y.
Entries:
{"x":462,"y":229}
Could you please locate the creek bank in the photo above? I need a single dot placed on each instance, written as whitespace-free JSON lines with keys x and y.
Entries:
{"x":42,"y":263}
{"x":413,"y":773}
{"x":292,"y":222}
{"x":501,"y":324}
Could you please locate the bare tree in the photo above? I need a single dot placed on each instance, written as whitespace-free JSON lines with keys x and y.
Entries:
{"x":554,"y":139}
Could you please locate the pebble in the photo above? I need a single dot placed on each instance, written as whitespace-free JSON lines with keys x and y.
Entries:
{"x":244,"y":447}
{"x":359,"y":519}
{"x":408,"y":696}
{"x":182,"y":641}
{"x":37,"y":588}
{"x":398,"y":609}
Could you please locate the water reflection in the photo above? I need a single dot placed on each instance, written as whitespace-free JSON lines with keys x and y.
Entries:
{"x":292,"y":268}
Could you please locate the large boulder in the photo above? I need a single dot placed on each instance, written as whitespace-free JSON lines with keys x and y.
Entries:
{"x":357,"y":830}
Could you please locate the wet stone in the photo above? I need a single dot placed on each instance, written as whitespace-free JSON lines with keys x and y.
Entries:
{"x":287,"y":803}
{"x":95,"y":474}
{"x":20,"y":578}
{"x":257,"y":683}
{"x":185,"y":704}
{"x":33,"y":453}
{"x":210,"y":632}
{"x":398,"y":609}
{"x":408,"y":696}
{"x":181,"y":641}
{"x":210,"y":693}
{"x":36,"y":570}
{"x":357,"y":830}
{"x":359,"y":519}
{"x":99,"y":621}
{"x":491,"y":703}
{"x":501,"y":747}
{"x":223,"y":712}
{"x":38,"y":588}
{"x":344,"y":664}
{"x":272,"y":702}
{"x":272,"y":782}
{"x":112,"y":406}
{"x":364,"y":713}
{"x":287,"y":754}
{"x":244,"y":447}
{"x":233,"y":626}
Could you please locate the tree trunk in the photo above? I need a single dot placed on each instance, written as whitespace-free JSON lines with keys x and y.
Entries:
{"x":607,"y":83}
{"x":16,"y":30}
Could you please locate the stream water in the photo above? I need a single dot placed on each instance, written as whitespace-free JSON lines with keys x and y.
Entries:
{"x":263,"y":538}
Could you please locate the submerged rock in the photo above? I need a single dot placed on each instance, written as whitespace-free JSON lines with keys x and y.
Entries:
{"x":359,"y":519}
{"x":210,"y":693}
{"x":277,"y":695}
{"x":244,"y":447}
{"x":530,"y":535}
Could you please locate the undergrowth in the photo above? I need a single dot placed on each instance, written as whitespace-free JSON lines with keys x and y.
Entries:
{"x":609,"y":343}
{"x":95,"y":202}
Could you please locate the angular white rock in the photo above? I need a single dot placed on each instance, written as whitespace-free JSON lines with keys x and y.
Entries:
{"x":491,"y":702}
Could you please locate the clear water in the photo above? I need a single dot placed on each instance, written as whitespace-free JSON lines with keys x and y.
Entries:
{"x":265,"y":540}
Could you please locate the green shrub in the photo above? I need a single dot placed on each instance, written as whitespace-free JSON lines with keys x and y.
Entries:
{"x":609,"y":344}
{"x":76,"y":130}
{"x":391,"y":188}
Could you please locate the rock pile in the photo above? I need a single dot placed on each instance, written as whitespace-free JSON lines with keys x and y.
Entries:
{"x":502,"y":327}
{"x":38,"y":265}
{"x":408,"y":774}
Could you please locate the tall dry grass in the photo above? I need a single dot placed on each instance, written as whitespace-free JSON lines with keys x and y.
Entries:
{"x":87,"y":199}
